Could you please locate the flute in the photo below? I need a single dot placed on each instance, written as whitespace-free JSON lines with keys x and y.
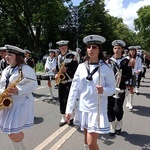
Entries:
{"x":98,"y":98}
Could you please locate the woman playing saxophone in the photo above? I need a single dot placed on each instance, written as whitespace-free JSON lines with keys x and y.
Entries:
{"x":18,"y":81}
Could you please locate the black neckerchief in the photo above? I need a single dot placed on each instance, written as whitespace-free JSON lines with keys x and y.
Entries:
{"x":89,"y":77}
{"x":8,"y":75}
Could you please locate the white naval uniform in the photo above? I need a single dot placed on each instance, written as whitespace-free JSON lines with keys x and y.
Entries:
{"x":21,"y":114}
{"x":50,"y":64}
{"x":86,"y":92}
{"x":138,"y":64}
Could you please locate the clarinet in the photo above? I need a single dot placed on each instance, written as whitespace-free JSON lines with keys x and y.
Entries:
{"x":116,"y":96}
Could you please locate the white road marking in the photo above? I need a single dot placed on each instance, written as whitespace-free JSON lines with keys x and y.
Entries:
{"x":50,"y":138}
{"x":58,"y":144}
{"x":42,"y":87}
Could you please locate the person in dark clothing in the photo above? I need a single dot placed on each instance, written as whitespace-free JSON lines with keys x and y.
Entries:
{"x":65,"y":69}
{"x":28,"y":60}
{"x":123,"y":72}
{"x":3,"y":63}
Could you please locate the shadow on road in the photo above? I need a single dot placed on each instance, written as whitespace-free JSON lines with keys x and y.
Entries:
{"x":35,"y":95}
{"x":145,"y":94}
{"x":135,"y":139}
{"x":53,"y":101}
{"x":38,"y":120}
{"x":141,"y":110}
{"x":145,"y":85}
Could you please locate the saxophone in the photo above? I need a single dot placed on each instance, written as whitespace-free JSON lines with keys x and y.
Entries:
{"x":5,"y":99}
{"x":61,"y":76}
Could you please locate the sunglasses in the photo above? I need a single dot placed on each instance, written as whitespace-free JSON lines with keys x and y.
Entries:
{"x":62,"y":45}
{"x":92,"y":46}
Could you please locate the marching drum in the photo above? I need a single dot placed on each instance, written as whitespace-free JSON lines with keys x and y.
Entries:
{"x":43,"y":76}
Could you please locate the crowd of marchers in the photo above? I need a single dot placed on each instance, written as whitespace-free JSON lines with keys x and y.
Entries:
{"x":97,"y":84}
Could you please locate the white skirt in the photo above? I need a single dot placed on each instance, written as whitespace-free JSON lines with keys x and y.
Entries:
{"x":90,"y":122}
{"x":17,"y":117}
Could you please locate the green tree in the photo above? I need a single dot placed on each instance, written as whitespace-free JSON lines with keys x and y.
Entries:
{"x":30,"y":23}
{"x":142,"y":26}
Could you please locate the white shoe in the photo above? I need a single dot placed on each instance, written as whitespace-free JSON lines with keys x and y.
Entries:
{"x":54,"y":101}
{"x":142,"y":80}
{"x":51,"y":97}
{"x":136,"y":91}
{"x":86,"y":147}
{"x":127,"y":105}
{"x":130,"y":107}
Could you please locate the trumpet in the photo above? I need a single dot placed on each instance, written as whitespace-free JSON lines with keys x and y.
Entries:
{"x":61,"y":76}
{"x":5,"y":99}
{"x":116,"y":96}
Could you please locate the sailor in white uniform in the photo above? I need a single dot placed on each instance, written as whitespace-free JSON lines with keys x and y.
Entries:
{"x":50,"y":68}
{"x":20,"y":115}
{"x":136,"y":65}
{"x":93,"y":82}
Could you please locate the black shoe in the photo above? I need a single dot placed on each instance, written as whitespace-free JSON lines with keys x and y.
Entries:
{"x":62,"y":124}
{"x":56,"y":86}
{"x":118,"y":132}
{"x":111,"y":134}
{"x":71,"y":123}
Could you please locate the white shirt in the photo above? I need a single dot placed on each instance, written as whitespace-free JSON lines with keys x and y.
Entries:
{"x":86,"y":91}
{"x":25,"y":87}
{"x":138,"y":65}
{"x":50,"y":65}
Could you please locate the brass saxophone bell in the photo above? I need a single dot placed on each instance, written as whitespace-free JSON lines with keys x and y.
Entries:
{"x":62,"y":76}
{"x":7,"y":102}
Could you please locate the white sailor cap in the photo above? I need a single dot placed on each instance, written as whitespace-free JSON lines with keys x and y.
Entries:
{"x":78,"y":49}
{"x":15,"y":50}
{"x":132,"y":47}
{"x":27,"y":51}
{"x":138,"y":47}
{"x":125,"y":50}
{"x":94,"y":39}
{"x":62,"y":42}
{"x":57,"y":50}
{"x":118,"y":43}
{"x":51,"y":51}
{"x":2,"y":48}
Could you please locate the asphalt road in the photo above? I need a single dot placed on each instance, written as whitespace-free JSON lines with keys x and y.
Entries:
{"x":47,"y":135}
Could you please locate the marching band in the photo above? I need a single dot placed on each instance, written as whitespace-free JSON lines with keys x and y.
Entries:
{"x":65,"y":66}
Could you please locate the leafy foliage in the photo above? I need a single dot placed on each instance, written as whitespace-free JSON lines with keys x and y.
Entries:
{"x":33,"y":24}
{"x":142,"y":25}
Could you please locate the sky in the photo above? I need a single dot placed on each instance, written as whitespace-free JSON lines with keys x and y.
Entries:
{"x":125,"y":9}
